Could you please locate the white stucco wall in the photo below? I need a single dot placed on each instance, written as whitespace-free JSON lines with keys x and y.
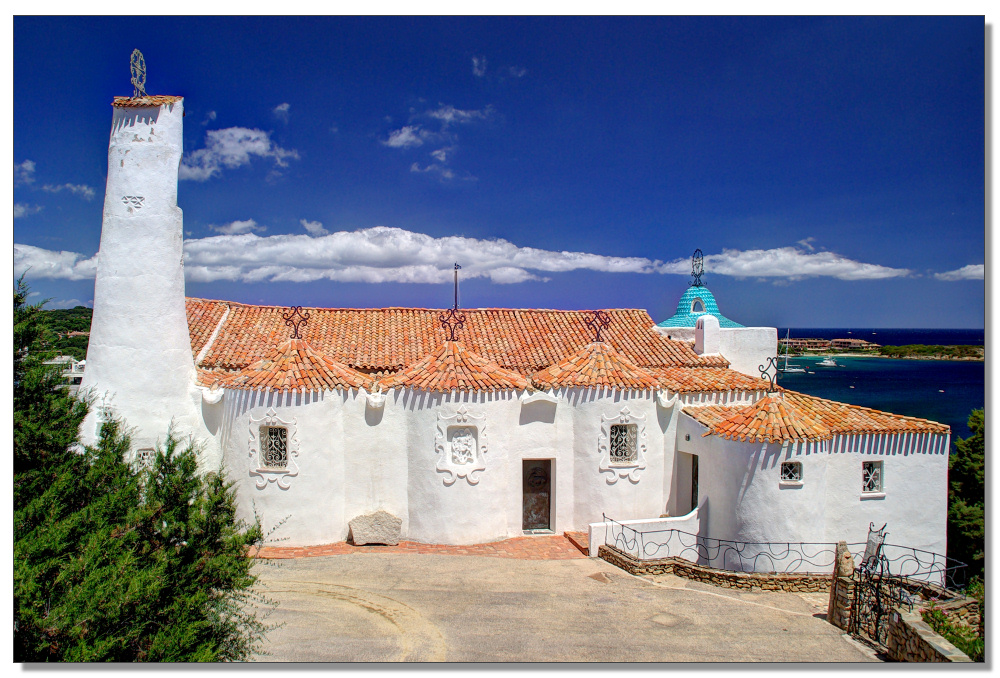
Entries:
{"x":750,"y":503}
{"x":139,"y":358}
{"x":745,"y":348}
{"x":658,"y":529}
{"x":354,"y":459}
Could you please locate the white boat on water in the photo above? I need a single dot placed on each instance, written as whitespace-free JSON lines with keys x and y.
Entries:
{"x":828,"y":362}
{"x":788,"y":369}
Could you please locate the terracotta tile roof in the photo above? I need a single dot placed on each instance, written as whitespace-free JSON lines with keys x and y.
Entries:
{"x":453,"y":367}
{"x":695,"y":379}
{"x":844,"y":418}
{"x":594,"y":365}
{"x":294,"y":366}
{"x":203,"y":317}
{"x":143,"y":102}
{"x":389,"y":339}
{"x":770,"y":419}
{"x":798,"y":416}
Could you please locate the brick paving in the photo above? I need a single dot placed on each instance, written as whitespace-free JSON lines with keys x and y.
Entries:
{"x":541,"y":547}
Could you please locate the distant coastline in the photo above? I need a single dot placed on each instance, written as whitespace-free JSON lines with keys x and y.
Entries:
{"x":977,"y":354}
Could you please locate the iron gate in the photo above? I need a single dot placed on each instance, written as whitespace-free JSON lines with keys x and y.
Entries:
{"x":877,"y":592}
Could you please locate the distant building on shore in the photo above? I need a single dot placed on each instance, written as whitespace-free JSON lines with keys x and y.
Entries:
{"x":808,"y":344}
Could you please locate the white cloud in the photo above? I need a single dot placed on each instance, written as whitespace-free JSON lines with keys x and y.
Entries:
{"x":479,"y":66}
{"x":970,"y":272}
{"x":314,"y":227}
{"x":786,"y":263}
{"x":231,"y":148}
{"x":64,"y":303}
{"x":42,"y":263}
{"x":281,"y":111}
{"x":434,"y":167}
{"x":238,"y":227}
{"x":383,"y":254}
{"x":24,"y":210}
{"x":448,"y":114}
{"x":24,"y":173}
{"x":406,"y":137}
{"x":441,"y":155}
{"x":517,"y":71}
{"x":209,"y":117}
{"x":807,"y":243}
{"x":85,"y":192}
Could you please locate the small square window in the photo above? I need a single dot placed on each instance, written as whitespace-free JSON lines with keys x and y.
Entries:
{"x":274,"y":450}
{"x":622,"y":443}
{"x":144,"y":456}
{"x":871,"y":476}
{"x":791,"y":471}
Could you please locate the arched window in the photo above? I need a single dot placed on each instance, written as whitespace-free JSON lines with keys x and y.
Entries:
{"x":697,"y":306}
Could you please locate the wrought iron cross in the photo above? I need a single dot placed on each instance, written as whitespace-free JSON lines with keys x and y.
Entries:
{"x":138,"y":68}
{"x":599,"y":322}
{"x":770,"y":372}
{"x":453,"y":320}
{"x":697,"y":268}
{"x":294,"y":324}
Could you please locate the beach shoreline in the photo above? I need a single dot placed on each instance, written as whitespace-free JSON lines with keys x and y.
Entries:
{"x":967,"y":359}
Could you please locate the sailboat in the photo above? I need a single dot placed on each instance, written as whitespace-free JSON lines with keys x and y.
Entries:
{"x":788,"y":369}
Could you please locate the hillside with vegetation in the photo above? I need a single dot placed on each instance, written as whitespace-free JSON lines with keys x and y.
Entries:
{"x":933,"y":352}
{"x":60,"y":324}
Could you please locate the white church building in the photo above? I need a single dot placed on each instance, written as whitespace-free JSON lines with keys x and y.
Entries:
{"x":511,"y":421}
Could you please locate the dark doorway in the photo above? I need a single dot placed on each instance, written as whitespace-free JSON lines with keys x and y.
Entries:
{"x":537,"y":488}
{"x":694,"y":482}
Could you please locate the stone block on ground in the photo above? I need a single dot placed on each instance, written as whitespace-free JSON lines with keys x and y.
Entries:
{"x":380,"y":527}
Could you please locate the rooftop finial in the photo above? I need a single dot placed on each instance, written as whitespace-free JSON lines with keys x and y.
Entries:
{"x":697,"y":268}
{"x":294,"y":324}
{"x":453,"y":320}
{"x":599,"y":322}
{"x":138,"y":68}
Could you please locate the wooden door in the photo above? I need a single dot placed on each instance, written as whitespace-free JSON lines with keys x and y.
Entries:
{"x":537,"y":491}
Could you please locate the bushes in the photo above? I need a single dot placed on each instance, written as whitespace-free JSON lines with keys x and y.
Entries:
{"x":113,"y":562}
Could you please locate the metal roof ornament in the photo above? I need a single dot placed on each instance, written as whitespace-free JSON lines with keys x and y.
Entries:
{"x":599,"y":322}
{"x":770,"y":372}
{"x":697,"y":268}
{"x":138,"y":68}
{"x":453,"y":320}
{"x":294,"y":324}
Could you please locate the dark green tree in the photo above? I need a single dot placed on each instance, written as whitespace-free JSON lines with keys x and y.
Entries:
{"x":114,"y":561}
{"x":967,"y":496}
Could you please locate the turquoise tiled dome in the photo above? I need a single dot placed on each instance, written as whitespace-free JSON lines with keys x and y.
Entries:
{"x":696,"y":301}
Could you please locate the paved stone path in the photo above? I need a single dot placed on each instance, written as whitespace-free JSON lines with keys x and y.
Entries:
{"x":555,"y":547}
{"x":371,"y":604}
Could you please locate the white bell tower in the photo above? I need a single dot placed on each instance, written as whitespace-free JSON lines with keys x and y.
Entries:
{"x":139,"y":361}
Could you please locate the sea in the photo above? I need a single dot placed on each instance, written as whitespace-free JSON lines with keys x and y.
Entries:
{"x":941,"y":390}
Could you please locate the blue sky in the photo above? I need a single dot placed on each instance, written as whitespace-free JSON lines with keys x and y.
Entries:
{"x":831,"y":169}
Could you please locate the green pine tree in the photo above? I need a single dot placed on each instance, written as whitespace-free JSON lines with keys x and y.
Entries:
{"x":113,"y":562}
{"x":967,"y":497}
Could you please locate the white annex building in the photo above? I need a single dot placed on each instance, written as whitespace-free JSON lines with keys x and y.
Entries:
{"x":517,"y":420}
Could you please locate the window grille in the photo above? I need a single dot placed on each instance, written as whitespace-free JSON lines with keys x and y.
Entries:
{"x":274,"y":448}
{"x":791,"y":471}
{"x":144,"y":456}
{"x":623,"y":438}
{"x":871,"y":476}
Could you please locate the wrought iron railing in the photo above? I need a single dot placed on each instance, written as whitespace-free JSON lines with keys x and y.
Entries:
{"x":911,"y":564}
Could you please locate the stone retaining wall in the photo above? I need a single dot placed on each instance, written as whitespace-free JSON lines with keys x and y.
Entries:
{"x":753,"y":581}
{"x":911,"y":639}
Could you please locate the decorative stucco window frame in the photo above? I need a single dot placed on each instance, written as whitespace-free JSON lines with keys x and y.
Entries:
{"x":263,"y":474}
{"x":449,"y":452}
{"x":617,"y":470}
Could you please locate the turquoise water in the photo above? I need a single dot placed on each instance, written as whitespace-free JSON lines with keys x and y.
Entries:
{"x":940,"y":390}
